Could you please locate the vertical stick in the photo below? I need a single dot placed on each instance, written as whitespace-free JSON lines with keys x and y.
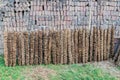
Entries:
{"x":53,"y":47}
{"x":61,"y":46}
{"x":86,"y":46}
{"x":36,"y":48}
{"x":70,"y":58}
{"x":76,"y":45}
{"x":49,"y":47}
{"x":45,"y":44}
{"x":31,"y":47}
{"x":40,"y":51}
{"x":22,"y":49}
{"x":101,"y":43}
{"x":6,"y":58}
{"x":80,"y":46}
{"x":95,"y":44}
{"x":19,"y":49}
{"x":65,"y":46}
{"x":83,"y":45}
{"x":14,"y":48}
{"x":108,"y":42}
{"x":91,"y":46}
{"x":26,"y":41}
{"x":112,"y":42}
{"x":104,"y":46}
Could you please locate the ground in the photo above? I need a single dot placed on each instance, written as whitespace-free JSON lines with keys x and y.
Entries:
{"x":105,"y":70}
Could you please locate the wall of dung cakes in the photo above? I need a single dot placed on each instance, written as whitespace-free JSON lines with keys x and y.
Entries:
{"x":34,"y":14}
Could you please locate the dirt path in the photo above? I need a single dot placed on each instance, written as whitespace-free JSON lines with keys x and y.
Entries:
{"x":38,"y":73}
{"x":108,"y":67}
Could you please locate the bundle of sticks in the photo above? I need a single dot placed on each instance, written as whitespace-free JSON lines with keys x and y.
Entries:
{"x":66,"y":46}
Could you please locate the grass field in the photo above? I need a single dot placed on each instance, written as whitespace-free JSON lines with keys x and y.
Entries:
{"x":54,"y":72}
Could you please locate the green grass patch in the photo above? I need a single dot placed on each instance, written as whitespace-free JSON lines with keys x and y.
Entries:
{"x":63,"y":72}
{"x":79,"y":72}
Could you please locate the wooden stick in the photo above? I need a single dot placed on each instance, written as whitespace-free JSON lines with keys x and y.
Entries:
{"x":6,"y":58}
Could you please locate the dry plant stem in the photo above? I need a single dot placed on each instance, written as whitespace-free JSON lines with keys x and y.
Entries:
{"x":22,"y":49}
{"x":57,"y":47}
{"x":98,"y":44}
{"x":26,"y":41}
{"x":101,"y":44}
{"x":6,"y":58}
{"x":65,"y":46}
{"x":31,"y":47}
{"x":70,"y":58}
{"x":95,"y":44}
{"x":36,"y":48}
{"x":76,"y":45}
{"x":53,"y":47}
{"x":61,"y":46}
{"x":19,"y":49}
{"x":80,"y":46}
{"x":45,"y":39}
{"x":112,"y":42}
{"x":49,"y":47}
{"x":10,"y":35}
{"x":83,"y":46}
{"x":86,"y":45}
{"x":108,"y":42}
{"x":91,"y":46}
{"x":40,"y":51}
{"x":14,"y":48}
{"x":104,"y":46}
